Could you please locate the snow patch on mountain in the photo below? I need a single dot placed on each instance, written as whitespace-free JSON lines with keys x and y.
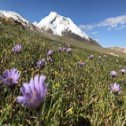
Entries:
{"x":59,"y":25}
{"x":14,"y":15}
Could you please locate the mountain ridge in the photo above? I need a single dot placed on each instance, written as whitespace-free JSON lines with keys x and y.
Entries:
{"x":59,"y":24}
{"x":53,"y":23}
{"x":119,"y":49}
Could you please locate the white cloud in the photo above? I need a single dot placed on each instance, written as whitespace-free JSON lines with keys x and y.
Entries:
{"x":117,"y":23}
{"x":114,"y":21}
{"x":94,"y":32}
{"x":87,"y":27}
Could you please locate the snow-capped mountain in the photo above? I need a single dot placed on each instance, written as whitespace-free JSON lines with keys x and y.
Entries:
{"x":10,"y":15}
{"x":60,"y":25}
{"x":13,"y":15}
{"x":53,"y":23}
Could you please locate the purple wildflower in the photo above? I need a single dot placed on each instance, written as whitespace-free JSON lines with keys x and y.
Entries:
{"x":41,"y":63}
{"x":81,"y":63}
{"x":50,"y":53}
{"x":115,"y":88}
{"x":64,"y":49}
{"x":68,"y":50}
{"x":33,"y":92}
{"x":113,"y":74}
{"x":123,"y":71}
{"x":91,"y":57}
{"x":17,"y":48}
{"x":60,"y":49}
{"x":10,"y":77}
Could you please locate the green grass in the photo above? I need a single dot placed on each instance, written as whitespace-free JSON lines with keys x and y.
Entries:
{"x":76,"y":95}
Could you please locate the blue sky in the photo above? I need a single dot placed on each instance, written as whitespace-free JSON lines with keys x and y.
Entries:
{"x":104,"y":20}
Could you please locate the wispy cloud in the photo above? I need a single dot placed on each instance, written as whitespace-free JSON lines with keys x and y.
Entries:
{"x":114,"y":21}
{"x":94,"y":32}
{"x":88,"y":27}
{"x":117,"y":23}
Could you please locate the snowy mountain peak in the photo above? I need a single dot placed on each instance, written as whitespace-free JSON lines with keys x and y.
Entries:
{"x":13,"y":15}
{"x":59,"y":25}
{"x":53,"y":14}
{"x":53,"y":23}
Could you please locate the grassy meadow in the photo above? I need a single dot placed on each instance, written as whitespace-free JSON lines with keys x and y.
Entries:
{"x":77,"y":95}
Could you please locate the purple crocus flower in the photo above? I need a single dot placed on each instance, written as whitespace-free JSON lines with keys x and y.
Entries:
{"x":115,"y":88}
{"x":50,"y":53}
{"x":81,"y":63}
{"x":113,"y":74}
{"x":33,"y":92}
{"x":17,"y":48}
{"x":10,"y":77}
{"x":41,"y":63}
{"x":68,"y":50}
{"x":91,"y":57}
{"x":123,"y":71}
{"x":60,"y":49}
{"x":64,"y":49}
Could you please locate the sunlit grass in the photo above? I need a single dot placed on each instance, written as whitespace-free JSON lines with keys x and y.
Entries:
{"x":76,"y":94}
